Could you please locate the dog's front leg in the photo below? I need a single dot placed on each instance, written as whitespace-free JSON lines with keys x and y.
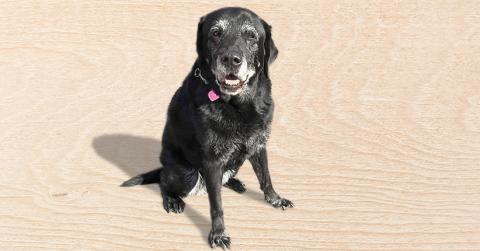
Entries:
{"x":213,"y":181}
{"x":259,"y":163}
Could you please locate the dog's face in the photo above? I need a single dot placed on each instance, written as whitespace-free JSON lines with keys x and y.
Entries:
{"x":235,"y":44}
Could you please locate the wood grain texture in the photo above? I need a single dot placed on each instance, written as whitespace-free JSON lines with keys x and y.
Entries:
{"x":376,"y":136}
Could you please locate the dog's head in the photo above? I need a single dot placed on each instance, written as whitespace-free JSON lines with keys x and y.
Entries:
{"x":236,"y":45}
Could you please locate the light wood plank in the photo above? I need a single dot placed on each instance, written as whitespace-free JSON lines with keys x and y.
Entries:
{"x":376,"y":136}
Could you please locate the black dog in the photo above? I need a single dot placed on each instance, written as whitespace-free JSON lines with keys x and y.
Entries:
{"x":219,"y":117}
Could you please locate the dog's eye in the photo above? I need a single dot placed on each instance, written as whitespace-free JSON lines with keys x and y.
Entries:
{"x":216,"y":33}
{"x":251,"y":35}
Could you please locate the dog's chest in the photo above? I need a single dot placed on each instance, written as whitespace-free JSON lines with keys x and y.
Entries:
{"x":233,"y":134}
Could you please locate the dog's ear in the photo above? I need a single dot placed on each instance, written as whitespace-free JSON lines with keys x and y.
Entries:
{"x":270,"y":50}
{"x":200,"y":50}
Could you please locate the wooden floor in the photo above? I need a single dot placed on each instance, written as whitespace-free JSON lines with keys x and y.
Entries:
{"x":376,"y":136}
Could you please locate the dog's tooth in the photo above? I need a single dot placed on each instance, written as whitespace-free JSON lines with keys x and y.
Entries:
{"x":232,"y":82}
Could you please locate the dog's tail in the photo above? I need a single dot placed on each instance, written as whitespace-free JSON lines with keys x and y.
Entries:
{"x":144,"y":179}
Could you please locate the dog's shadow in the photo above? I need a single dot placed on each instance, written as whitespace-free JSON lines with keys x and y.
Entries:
{"x":136,"y":155}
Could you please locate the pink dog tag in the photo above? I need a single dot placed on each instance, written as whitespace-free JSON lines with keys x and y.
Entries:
{"x":212,"y":95}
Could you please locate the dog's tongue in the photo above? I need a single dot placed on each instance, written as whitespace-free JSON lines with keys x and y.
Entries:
{"x":232,"y":81}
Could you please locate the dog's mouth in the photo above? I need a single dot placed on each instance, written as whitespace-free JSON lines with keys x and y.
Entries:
{"x":231,"y":83}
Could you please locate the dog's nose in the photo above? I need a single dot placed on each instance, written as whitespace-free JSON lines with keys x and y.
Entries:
{"x":231,"y":59}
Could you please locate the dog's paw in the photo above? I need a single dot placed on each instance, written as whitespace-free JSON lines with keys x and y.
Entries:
{"x":279,"y":202}
{"x":219,"y":239}
{"x":173,"y":204}
{"x":236,"y":185}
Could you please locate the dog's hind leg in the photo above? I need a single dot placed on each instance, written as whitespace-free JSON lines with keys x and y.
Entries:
{"x":236,"y":185}
{"x":172,"y":203}
{"x":233,"y":183}
{"x":171,"y":186}
{"x":175,"y":182}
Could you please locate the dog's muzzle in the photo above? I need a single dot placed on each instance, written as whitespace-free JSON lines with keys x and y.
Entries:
{"x":232,"y":73}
